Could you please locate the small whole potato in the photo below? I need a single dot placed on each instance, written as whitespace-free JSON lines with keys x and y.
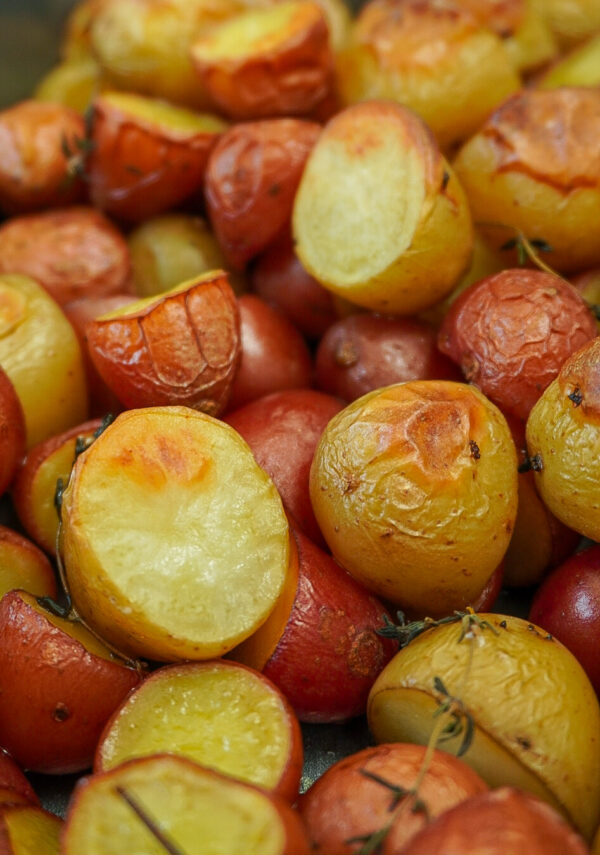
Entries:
{"x":414,"y":487}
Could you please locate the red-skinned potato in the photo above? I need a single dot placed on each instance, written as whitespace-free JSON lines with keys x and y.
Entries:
{"x":25,"y":829}
{"x":567,"y":604}
{"x":202,"y":809}
{"x":279,"y":278}
{"x":220,"y":714}
{"x":282,"y":430}
{"x":271,"y":61}
{"x":329,"y":653}
{"x":80,"y":312}
{"x":72,"y":252}
{"x":511,"y":333}
{"x":365,"y":352}
{"x":181,"y":347}
{"x":346,"y":803}
{"x":251,"y":179}
{"x":501,"y":822}
{"x":23,"y":565}
{"x":274,"y":356}
{"x":147,"y":155}
{"x":12,"y":780}
{"x":12,"y":430}
{"x":34,"y":488}
{"x":54,"y":706}
{"x":34,"y":140}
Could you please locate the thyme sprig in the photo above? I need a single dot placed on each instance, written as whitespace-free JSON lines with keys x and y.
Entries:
{"x":406,"y":631}
{"x":460,"y":720}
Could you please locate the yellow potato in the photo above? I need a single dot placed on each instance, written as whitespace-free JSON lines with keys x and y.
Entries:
{"x":571,"y":21}
{"x":535,"y":712}
{"x":379,"y":217}
{"x":74,"y":83}
{"x":563,"y":440}
{"x":176,"y":544}
{"x":581,"y":67}
{"x":415,"y":490}
{"x":40,"y":353}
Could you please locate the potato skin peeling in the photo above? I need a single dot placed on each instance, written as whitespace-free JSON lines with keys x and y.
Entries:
{"x":199,"y":559}
{"x":379,"y":217}
{"x":415,"y":489}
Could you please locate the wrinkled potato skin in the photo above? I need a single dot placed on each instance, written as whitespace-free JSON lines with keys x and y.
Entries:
{"x":33,"y":164}
{"x":522,"y":687}
{"x":72,"y":252}
{"x":343,"y":803}
{"x":535,"y":167}
{"x":511,"y":333}
{"x":437,"y":60}
{"x":138,"y":169}
{"x":565,"y":433}
{"x":251,"y":180}
{"x":288,"y":75}
{"x":179,"y":348}
{"x":415,"y":490}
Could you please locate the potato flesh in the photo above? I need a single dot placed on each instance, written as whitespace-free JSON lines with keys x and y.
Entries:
{"x":199,"y":811}
{"x":170,"y":119}
{"x":226,"y":718}
{"x":198,"y":560}
{"x":33,"y":830}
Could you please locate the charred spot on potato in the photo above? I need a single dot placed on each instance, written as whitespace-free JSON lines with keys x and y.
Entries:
{"x":61,"y":712}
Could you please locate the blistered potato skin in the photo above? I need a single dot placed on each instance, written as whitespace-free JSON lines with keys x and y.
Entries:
{"x":181,"y":347}
{"x":510,"y":334}
{"x":34,"y":172}
{"x":415,"y":490}
{"x":535,"y":167}
{"x":563,"y":432}
{"x":425,"y":249}
{"x":437,"y":60}
{"x":252,"y":176}
{"x":524,"y":689}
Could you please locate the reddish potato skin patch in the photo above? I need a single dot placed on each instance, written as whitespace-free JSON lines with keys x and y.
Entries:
{"x":251,"y":180}
{"x":181,"y":349}
{"x":12,"y":431}
{"x":14,"y":781}
{"x":329,"y":654}
{"x":511,"y":333}
{"x":55,"y":696}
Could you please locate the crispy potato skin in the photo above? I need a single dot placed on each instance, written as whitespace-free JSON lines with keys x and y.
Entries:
{"x":251,"y":180}
{"x":55,"y":706}
{"x":12,"y":778}
{"x":71,"y":252}
{"x":181,"y":347}
{"x":12,"y":431}
{"x":284,"y":74}
{"x":365,"y":352}
{"x":33,"y":160}
{"x":413,"y":476}
{"x":534,"y":167}
{"x":495,"y":823}
{"x":344,"y":803}
{"x":563,"y":434}
{"x":138,"y":169}
{"x":511,"y":333}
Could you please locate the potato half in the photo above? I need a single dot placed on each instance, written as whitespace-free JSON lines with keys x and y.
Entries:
{"x":415,"y":489}
{"x":535,"y":712}
{"x":379,"y":216}
{"x":176,"y":545}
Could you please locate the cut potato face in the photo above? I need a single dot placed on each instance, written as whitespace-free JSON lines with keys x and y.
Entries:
{"x":379,"y":218}
{"x":199,"y":558}
{"x":535,"y":712}
{"x":196,"y":809}
{"x":26,"y":828}
{"x":220,"y":714}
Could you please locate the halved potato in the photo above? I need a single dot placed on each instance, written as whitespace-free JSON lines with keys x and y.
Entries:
{"x":199,"y":557}
{"x":147,"y":155}
{"x":581,"y":67}
{"x":25,"y":829}
{"x":571,"y":21}
{"x":74,"y":83}
{"x":435,"y":58}
{"x":379,"y":217}
{"x":275,"y":61}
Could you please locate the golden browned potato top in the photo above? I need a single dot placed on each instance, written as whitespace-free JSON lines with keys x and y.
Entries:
{"x":504,"y":17}
{"x":580,"y":379}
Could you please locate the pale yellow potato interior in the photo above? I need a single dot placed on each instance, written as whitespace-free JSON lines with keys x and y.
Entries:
{"x":255,"y":32}
{"x":199,"y":812}
{"x":580,"y":68}
{"x":359,"y":203}
{"x":137,"y":306}
{"x":31,"y":830}
{"x":41,"y":355}
{"x":226,"y":718}
{"x":176,"y":542}
{"x":167,"y":116}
